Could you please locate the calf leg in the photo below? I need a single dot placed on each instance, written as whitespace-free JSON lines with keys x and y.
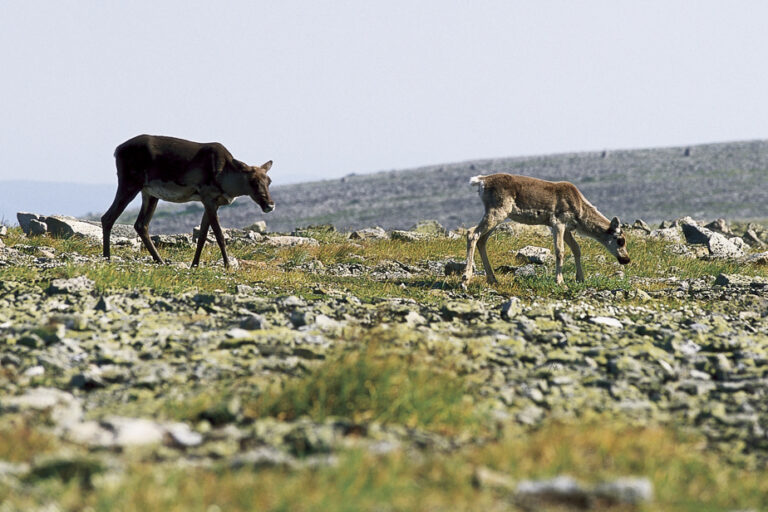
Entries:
{"x":148,"y":204}
{"x":558,"y":233}
{"x":576,"y":250}
{"x":201,"y":239}
{"x":474,"y":236}
{"x":481,"y":244}
{"x":123,"y":197}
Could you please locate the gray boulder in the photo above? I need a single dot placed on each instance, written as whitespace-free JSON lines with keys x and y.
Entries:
{"x":695,"y":234}
{"x":721,"y":247}
{"x":37,"y":227}
{"x":670,"y":234}
{"x":66,"y":227}
{"x":24,"y":218}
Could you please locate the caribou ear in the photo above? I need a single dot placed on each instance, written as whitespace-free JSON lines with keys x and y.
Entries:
{"x":266,"y":165}
{"x":615,"y":224}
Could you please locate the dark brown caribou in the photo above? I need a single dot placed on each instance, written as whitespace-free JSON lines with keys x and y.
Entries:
{"x":179,"y":170}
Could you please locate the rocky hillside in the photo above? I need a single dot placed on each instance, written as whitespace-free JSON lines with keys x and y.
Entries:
{"x":350,"y":371}
{"x":704,"y":181}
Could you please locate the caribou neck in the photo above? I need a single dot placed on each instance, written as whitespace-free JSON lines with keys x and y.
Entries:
{"x":592,"y":223}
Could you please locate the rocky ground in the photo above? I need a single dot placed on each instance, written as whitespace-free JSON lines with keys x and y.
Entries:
{"x":99,"y":367}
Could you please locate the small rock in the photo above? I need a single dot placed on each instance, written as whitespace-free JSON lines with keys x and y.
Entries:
{"x":262,"y":457}
{"x":607,"y":321}
{"x":375,"y":233}
{"x":526,"y":271}
{"x":535,"y":255}
{"x":511,"y":308}
{"x":454,"y":267}
{"x":253,"y":322}
{"x":760,"y":258}
{"x":103,"y":305}
{"x":738,"y":280}
{"x":257,"y":227}
{"x":719,"y":225}
{"x":670,"y":234}
{"x":34,"y":371}
{"x":751,"y":238}
{"x":563,"y":490}
{"x":639,"y":224}
{"x":429,"y":227}
{"x":181,"y":435}
{"x":407,"y":236}
{"x":73,"y":285}
{"x":485,"y":478}
{"x":290,"y":241}
{"x":625,"y":490}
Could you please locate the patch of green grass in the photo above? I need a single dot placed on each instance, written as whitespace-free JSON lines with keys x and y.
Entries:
{"x":373,"y":385}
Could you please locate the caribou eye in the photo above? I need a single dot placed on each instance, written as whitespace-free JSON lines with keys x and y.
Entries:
{"x":620,"y":242}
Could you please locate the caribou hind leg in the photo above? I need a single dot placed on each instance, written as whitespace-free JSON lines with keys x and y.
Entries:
{"x":123,"y":198}
{"x":201,"y":239}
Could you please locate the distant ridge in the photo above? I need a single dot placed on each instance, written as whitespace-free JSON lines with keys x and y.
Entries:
{"x":704,"y":181}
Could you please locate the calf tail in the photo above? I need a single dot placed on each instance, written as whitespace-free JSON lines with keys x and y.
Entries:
{"x":477,"y":181}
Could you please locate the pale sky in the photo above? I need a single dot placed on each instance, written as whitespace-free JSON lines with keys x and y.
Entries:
{"x":327,"y":88}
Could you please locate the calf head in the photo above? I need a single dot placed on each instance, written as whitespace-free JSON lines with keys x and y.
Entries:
{"x":259,"y":186}
{"x":613,"y":239}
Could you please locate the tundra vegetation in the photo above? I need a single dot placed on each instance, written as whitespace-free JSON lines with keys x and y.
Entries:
{"x":336,"y":371}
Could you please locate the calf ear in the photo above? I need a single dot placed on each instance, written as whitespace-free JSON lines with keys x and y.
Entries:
{"x":615,"y":224}
{"x":266,"y":165}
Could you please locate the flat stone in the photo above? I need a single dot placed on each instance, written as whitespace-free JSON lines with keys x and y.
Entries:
{"x":627,"y":490}
{"x":607,"y":321}
{"x":66,"y":227}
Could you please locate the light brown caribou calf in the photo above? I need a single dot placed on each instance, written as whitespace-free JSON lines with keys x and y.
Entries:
{"x":558,"y":205}
{"x":180,"y":170}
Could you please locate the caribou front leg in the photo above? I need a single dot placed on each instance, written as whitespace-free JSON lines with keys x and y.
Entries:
{"x":576,"y":250}
{"x":213,"y":219}
{"x":558,"y":234}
